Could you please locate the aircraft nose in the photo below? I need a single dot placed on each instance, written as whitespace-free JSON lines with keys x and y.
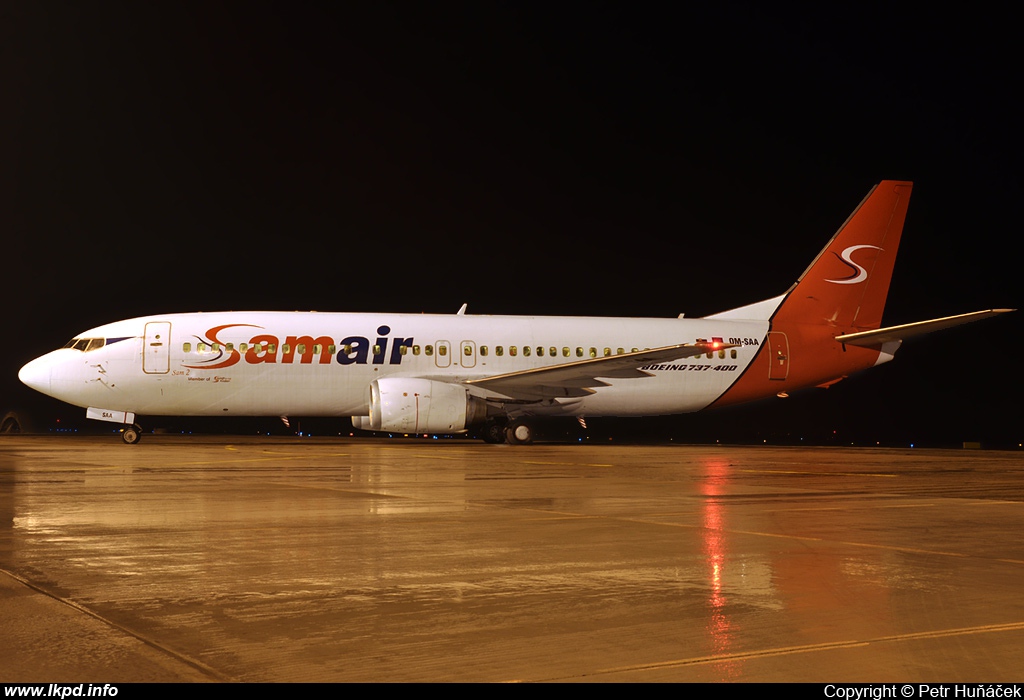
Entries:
{"x":36,"y":374}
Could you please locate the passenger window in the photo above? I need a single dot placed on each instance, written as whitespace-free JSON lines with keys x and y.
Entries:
{"x":229,"y":346}
{"x":429,"y":349}
{"x":620,"y":351}
{"x":376,"y":349}
{"x":483,"y":351}
{"x":242,"y":347}
{"x":553,"y":352}
{"x":635,"y":350}
{"x":526,"y":351}
{"x":186,"y":347}
{"x":732,"y":353}
{"x":318,"y":349}
{"x":467,"y":350}
{"x":442,"y":350}
{"x":565,"y":352}
{"x":415,"y":349}
{"x":607,"y":352}
{"x":593,"y":352}
{"x":579,"y":351}
{"x":512,"y":350}
{"x":272,"y":348}
{"x":500,"y":350}
{"x":286,"y":349}
{"x":540,"y":351}
{"x":721,"y":354}
{"x":403,"y":349}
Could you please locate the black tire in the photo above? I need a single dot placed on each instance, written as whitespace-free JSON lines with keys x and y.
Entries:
{"x":12,"y":424}
{"x":519,"y":433}
{"x":132,"y":435}
{"x":493,"y":432}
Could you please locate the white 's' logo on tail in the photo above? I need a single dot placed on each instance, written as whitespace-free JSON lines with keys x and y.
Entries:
{"x":859,"y":274}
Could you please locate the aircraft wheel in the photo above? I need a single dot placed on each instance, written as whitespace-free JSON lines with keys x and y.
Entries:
{"x":493,"y":432}
{"x":13,"y":423}
{"x":519,"y":433}
{"x":131,"y":435}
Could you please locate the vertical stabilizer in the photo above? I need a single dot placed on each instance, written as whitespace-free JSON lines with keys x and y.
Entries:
{"x":842,"y":292}
{"x":846,"y":285}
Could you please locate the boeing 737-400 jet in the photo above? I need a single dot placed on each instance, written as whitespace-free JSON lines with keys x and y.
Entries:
{"x":417,"y":373}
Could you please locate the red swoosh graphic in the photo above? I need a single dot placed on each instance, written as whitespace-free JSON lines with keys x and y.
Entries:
{"x":233,"y":356}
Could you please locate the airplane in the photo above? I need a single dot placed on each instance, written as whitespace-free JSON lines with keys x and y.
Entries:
{"x":436,"y":373}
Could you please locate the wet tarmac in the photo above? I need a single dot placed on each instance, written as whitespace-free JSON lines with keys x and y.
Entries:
{"x":272,"y":559}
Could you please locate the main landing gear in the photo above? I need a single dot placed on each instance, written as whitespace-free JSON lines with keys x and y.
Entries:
{"x":515,"y":432}
{"x":131,"y":434}
{"x":519,"y":432}
{"x":493,"y":432}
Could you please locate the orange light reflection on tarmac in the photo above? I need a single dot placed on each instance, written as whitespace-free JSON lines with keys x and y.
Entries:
{"x":719,"y":628}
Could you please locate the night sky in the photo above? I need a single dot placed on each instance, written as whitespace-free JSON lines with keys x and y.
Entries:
{"x":592,"y":159}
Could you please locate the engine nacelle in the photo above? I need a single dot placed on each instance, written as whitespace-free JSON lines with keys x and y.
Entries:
{"x":409,"y":405}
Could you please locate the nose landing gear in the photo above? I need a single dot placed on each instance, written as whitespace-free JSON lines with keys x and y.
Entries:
{"x":131,"y":434}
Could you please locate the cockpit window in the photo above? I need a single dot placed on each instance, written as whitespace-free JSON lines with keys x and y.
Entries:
{"x":86,"y":344}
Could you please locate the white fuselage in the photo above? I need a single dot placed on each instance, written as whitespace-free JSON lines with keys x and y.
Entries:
{"x":322,"y":364}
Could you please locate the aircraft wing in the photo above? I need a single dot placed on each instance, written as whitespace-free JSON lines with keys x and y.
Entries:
{"x":909,"y":330}
{"x":580,"y":378}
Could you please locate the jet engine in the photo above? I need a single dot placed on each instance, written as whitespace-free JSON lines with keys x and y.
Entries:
{"x":410,"y":405}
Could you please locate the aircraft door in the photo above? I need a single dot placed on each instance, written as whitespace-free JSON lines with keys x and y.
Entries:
{"x":156,"y":348}
{"x":778,"y":357}
{"x":442,"y":353}
{"x":468,"y":353}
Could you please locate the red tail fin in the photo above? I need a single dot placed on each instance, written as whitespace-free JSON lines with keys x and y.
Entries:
{"x":847,"y":283}
{"x":842,"y":291}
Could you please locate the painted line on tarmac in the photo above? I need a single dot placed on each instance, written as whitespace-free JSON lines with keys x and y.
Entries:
{"x":808,"y":648}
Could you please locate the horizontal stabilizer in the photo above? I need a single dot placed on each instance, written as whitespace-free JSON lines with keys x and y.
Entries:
{"x":581,"y":377}
{"x":909,"y":330}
